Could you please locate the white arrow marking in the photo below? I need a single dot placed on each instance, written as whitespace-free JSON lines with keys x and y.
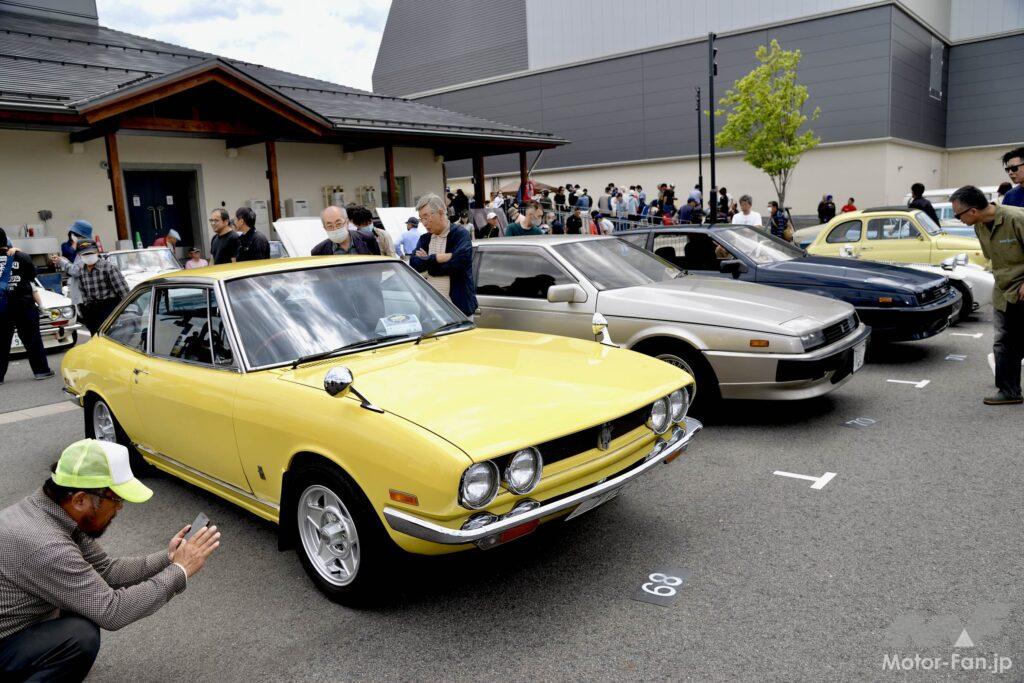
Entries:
{"x":819,"y":482}
{"x":979,"y":335}
{"x":964,"y":640}
{"x":956,"y":356}
{"x":918,"y":385}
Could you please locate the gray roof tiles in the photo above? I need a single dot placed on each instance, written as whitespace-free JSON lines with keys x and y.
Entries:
{"x":46,"y":62}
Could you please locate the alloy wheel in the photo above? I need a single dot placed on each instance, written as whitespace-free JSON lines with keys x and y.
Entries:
{"x":328,"y":534}
{"x":675,"y":360}
{"x":103,"y":423}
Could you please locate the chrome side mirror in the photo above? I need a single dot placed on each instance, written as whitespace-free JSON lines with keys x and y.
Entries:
{"x":337,"y":381}
{"x":961,"y":259}
{"x":599,"y":325}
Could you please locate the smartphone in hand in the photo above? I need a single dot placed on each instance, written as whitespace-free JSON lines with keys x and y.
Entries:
{"x":198,"y":523}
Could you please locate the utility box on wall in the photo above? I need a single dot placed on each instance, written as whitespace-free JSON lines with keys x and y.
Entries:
{"x":261,"y":208}
{"x":296,"y":208}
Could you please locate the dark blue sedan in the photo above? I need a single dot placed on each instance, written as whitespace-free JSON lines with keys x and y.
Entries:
{"x":899,"y":304}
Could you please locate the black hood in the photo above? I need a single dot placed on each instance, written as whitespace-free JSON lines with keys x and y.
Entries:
{"x":825,"y":271}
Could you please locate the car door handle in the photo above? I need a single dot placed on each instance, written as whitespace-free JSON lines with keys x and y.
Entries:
{"x":137,"y":371}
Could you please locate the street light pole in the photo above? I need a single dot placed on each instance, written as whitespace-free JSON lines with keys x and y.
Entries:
{"x":700,"y":157}
{"x":712,"y":72}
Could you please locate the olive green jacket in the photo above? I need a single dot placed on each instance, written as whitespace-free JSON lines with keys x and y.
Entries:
{"x":1002,"y":242}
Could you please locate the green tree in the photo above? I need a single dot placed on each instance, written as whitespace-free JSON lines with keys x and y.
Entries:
{"x":764,"y":112}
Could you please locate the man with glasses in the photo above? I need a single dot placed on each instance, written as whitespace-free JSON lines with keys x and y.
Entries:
{"x":1013,"y":164}
{"x":224,"y":247}
{"x":58,"y":587}
{"x":1000,"y":231}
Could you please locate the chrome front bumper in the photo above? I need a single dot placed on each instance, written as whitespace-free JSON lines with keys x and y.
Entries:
{"x":414,"y":526}
{"x":72,"y":396}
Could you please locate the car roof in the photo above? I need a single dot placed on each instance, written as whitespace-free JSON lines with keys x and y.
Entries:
{"x":540,"y":240}
{"x":135,"y":251}
{"x":889,"y":209}
{"x":231,"y":271}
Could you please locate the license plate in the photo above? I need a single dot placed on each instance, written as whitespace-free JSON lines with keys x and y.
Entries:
{"x":15,"y":340}
{"x":588,"y":505}
{"x":858,"y":355}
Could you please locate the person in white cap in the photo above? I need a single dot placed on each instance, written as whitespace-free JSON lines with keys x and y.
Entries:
{"x":491,"y":228}
{"x":58,"y":587}
{"x":171,"y":240}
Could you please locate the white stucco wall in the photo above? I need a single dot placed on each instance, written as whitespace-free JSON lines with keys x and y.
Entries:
{"x":38,"y":171}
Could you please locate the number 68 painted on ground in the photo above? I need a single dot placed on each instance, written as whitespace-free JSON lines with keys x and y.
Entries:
{"x":666,"y":588}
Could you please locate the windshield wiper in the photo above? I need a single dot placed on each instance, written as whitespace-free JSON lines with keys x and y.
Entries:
{"x":347,"y":347}
{"x":444,"y":328}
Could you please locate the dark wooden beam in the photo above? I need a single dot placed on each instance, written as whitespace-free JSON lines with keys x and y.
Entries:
{"x":275,"y":191}
{"x":166,"y":125}
{"x":389,"y":171}
{"x":444,"y":179}
{"x":93,"y":133}
{"x":524,"y":172}
{"x":243,"y":141}
{"x":41,"y":118}
{"x":116,"y":186}
{"x":478,"y":181}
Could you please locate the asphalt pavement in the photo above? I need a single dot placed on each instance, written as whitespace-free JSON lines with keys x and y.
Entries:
{"x":914,"y":540}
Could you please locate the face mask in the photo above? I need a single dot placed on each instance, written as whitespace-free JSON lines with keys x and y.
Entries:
{"x":535,"y":222}
{"x":366,"y":230}
{"x":338,"y":236}
{"x":90,"y":259}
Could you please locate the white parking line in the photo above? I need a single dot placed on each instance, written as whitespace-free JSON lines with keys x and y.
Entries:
{"x":978,"y":335}
{"x":38,"y":411}
{"x":819,"y":482}
{"x":917,"y":384}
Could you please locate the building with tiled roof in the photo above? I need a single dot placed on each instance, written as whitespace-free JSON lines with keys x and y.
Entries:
{"x":140,"y":136}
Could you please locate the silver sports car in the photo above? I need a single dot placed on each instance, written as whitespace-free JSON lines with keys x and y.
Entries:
{"x":738,"y":339}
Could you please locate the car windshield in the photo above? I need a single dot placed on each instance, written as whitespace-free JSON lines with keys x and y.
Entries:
{"x":286,"y":315}
{"x":759,"y":247}
{"x":926,"y":222}
{"x":615,"y":263}
{"x":145,"y":261}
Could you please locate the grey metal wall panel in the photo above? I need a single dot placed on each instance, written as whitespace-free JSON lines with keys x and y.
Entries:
{"x":976,"y":18}
{"x":916,"y":115}
{"x":433,"y":44}
{"x":642,"y":106}
{"x":985,"y":93}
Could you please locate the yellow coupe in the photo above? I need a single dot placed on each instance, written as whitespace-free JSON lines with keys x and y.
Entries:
{"x":346,"y":400}
{"x":894,"y":235}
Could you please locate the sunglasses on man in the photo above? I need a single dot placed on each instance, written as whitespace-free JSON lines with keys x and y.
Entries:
{"x":957,"y":215}
{"x":1012,"y":168}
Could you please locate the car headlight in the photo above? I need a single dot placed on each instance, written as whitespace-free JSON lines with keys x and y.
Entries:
{"x":67,"y":312}
{"x":523,"y":471}
{"x":678,"y":404}
{"x":660,"y":419}
{"x":813,"y":340}
{"x":479,"y":485}
{"x":54,"y":313}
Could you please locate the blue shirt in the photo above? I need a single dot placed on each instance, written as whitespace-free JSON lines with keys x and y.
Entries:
{"x":1014,"y":197}
{"x":407,"y":243}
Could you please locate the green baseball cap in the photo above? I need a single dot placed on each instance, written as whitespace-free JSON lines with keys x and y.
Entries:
{"x":92,"y":464}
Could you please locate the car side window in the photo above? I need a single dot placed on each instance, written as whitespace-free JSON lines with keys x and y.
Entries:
{"x":639,"y":239}
{"x":522,"y":274}
{"x":671,"y":247}
{"x":131,"y":326}
{"x":892,"y":228}
{"x":181,"y":327}
{"x":844,"y":232}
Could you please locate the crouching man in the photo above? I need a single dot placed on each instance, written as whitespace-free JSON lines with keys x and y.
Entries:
{"x":58,"y":587}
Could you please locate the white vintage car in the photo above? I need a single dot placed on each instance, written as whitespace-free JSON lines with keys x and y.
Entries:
{"x":59,"y":325}
{"x":141,"y":264}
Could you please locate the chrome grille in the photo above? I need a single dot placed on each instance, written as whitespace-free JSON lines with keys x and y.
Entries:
{"x":933,"y":294}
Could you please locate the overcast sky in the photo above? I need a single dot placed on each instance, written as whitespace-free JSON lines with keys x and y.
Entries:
{"x":335,"y":40}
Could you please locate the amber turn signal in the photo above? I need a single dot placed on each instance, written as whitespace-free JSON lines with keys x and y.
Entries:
{"x":402,"y":497}
{"x":885,"y":299}
{"x":759,"y":343}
